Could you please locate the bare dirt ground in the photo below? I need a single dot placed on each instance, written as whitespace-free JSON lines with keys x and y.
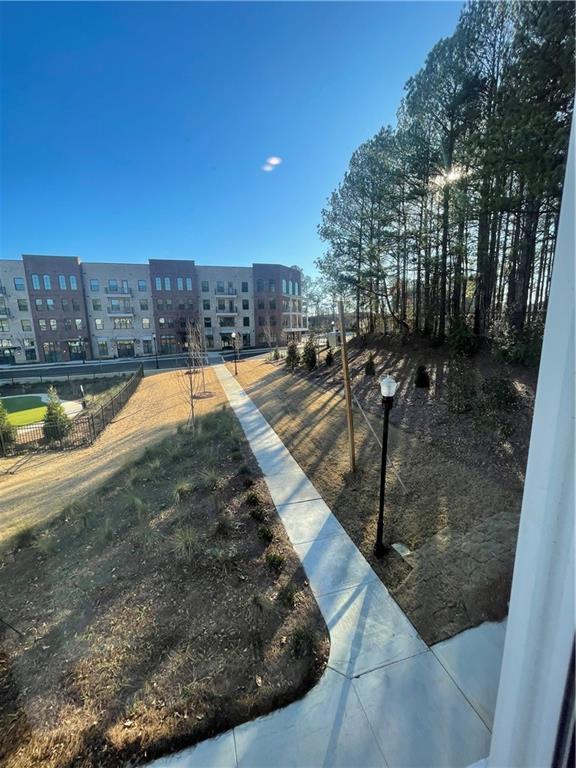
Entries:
{"x":460,"y":513}
{"x":47,"y":482}
{"x":165,"y":607}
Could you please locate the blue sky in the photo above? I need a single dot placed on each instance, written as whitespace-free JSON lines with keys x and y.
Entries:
{"x":138,"y":130}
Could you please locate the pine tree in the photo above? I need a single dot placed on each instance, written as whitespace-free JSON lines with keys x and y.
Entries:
{"x":7,"y":430}
{"x":309,"y":355}
{"x":56,"y":421}
{"x":292,"y":356}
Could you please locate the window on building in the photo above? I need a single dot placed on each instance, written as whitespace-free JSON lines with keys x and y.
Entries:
{"x":168,"y":303}
{"x":75,"y":305}
{"x":167,"y":344}
{"x":42,"y":324}
{"x":259,"y":285}
{"x":162,"y":322}
{"x":260,"y":320}
{"x":205,"y":286}
{"x":97,"y":305}
{"x":272,"y":286}
{"x":29,"y":349}
{"x":245,"y":304}
{"x":94,"y":284}
{"x":123,"y":323}
{"x":51,"y":354}
{"x":180,"y":283}
{"x":190,"y":304}
{"x":146,"y":322}
{"x":65,"y":305}
{"x":158,"y":283}
{"x":19,"y":284}
{"x":47,"y":282}
{"x":4,"y":325}
{"x":53,"y":324}
{"x":99,"y":324}
{"x":244,"y":287}
{"x":113,"y":286}
{"x":284,"y":286}
{"x":188,"y":283}
{"x":160,"y":304}
{"x":102,"y":349}
{"x":182,"y":322}
{"x":79,"y":323}
{"x":167,"y":284}
{"x":272,"y":303}
{"x":273,"y":320}
{"x":26,"y":325}
{"x":39,"y":305}
{"x":73,"y":283}
{"x":206,"y":305}
{"x":22,"y":305}
{"x":246,"y":321}
{"x":62,"y":282}
{"x":147,"y":346}
{"x":36,"y":282}
{"x":221,"y":305}
{"x":261,"y":304}
{"x":142,"y":285}
{"x":207,"y":322}
{"x":219,"y":286}
{"x":67,"y":324}
{"x":144,"y":305}
{"x":182,"y":304}
{"x":50,"y":305}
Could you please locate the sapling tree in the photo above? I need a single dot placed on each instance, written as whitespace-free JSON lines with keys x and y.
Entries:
{"x":56,"y":421}
{"x":309,"y":358}
{"x":292,"y":356}
{"x":192,"y":381}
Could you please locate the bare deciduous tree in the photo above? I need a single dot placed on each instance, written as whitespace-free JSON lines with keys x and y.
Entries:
{"x":192,"y":380}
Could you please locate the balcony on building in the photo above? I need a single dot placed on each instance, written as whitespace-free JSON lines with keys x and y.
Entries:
{"x":225,"y":291}
{"x":119,"y":311}
{"x":227,"y":312}
{"x":227,"y":324}
{"x":119,"y":291}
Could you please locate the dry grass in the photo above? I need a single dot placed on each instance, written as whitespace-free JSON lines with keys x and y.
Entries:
{"x":458,"y":518}
{"x":45,"y":484}
{"x":153,"y":617}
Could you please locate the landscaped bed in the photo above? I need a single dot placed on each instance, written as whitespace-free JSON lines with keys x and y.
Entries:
{"x":165,"y":607}
{"x":458,"y":514}
{"x":97,"y":389}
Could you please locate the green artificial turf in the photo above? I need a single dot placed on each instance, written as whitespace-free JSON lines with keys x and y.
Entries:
{"x":26,"y":409}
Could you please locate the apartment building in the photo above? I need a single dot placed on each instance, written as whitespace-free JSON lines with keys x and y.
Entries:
{"x":57,"y":308}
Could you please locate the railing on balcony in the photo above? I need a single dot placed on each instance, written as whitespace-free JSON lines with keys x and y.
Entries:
{"x":230,"y":312}
{"x":226,"y":292}
{"x":119,"y":291}
{"x":120,"y":310}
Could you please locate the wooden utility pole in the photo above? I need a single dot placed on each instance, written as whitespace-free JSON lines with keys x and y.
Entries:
{"x":347,"y":389}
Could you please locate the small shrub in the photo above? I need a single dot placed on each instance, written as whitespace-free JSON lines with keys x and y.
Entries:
{"x":183,"y":491}
{"x":224,"y":525}
{"x":56,"y":423}
{"x":146,"y":539}
{"x":309,"y":355}
{"x":302,"y":642}
{"x":265,"y":534}
{"x":46,"y":545}
{"x":105,"y":530}
{"x":329,"y":357}
{"x":210,"y":480}
{"x":275,"y":561}
{"x":462,"y":340}
{"x":7,"y":430}
{"x":25,"y":537}
{"x":287,"y":595}
{"x":258,"y":514}
{"x":253,"y":499}
{"x":369,"y":367}
{"x":520,"y":347}
{"x":500,"y":392}
{"x":422,"y":379}
{"x":276,"y":354}
{"x":292,"y":356}
{"x":185,"y":544}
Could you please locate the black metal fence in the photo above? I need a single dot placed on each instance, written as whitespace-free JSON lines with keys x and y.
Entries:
{"x":79,"y":432}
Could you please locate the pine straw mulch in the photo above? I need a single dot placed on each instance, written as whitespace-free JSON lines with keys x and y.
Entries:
{"x":163,"y":608}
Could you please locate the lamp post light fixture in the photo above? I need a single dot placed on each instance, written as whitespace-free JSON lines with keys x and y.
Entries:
{"x":387,"y":389}
{"x":235,"y":342}
{"x":155,"y":349}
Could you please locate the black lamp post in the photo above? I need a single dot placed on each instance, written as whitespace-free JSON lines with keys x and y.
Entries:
{"x":155,"y":349}
{"x":387,"y":388}
{"x":234,"y":341}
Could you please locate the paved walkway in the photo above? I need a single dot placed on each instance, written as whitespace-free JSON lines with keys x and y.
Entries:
{"x":385,"y":700}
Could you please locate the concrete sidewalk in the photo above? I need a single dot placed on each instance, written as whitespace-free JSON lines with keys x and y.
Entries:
{"x":386,"y":699}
